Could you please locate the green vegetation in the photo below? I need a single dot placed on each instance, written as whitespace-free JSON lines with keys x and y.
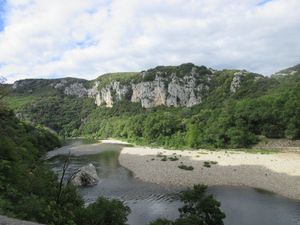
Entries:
{"x":29,"y":189}
{"x":261,"y":106}
{"x":103,"y":211}
{"x":63,"y":114}
{"x":179,"y":71}
{"x":124,"y":78}
{"x":198,"y":209}
{"x":185,"y":167}
{"x":173,"y":158}
{"x":206,"y":164}
{"x":18,"y":102}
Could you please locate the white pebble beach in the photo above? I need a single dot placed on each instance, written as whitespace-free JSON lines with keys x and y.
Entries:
{"x":276,"y":172}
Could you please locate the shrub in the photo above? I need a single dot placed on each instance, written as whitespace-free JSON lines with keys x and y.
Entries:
{"x":184,"y":167}
{"x":103,"y":211}
{"x":199,"y":209}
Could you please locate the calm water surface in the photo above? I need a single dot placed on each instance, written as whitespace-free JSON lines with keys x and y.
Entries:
{"x":242,"y":206}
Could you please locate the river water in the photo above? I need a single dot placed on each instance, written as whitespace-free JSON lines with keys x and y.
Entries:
{"x":242,"y":205}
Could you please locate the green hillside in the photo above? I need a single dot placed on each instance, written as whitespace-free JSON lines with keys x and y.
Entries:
{"x":29,"y":189}
{"x":260,"y":106}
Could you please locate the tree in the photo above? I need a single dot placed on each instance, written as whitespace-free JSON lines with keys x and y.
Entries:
{"x":198,"y":203}
{"x":199,"y":209}
{"x":104,"y":211}
{"x":161,"y":222}
{"x":192,"y":135}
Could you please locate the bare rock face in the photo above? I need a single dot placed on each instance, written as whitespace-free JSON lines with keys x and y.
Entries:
{"x":236,"y":81}
{"x":177,"y":92}
{"x":85,"y":176}
{"x":149,"y":94}
{"x":168,"y":89}
{"x":76,"y":89}
{"x":112,"y":92}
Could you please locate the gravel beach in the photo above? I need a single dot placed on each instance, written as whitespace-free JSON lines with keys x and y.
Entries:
{"x":277,"y":172}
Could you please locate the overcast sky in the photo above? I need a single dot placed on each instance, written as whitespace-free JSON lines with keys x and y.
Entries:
{"x":86,"y":38}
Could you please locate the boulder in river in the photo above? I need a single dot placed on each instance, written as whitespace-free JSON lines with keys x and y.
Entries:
{"x":85,"y":176}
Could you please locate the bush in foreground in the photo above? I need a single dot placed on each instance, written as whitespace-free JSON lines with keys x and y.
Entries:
{"x":199,"y":209}
{"x":104,"y":211}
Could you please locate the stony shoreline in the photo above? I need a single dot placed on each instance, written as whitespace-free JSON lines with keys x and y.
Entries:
{"x":278,"y":172}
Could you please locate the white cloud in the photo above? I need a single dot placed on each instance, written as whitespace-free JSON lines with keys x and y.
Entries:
{"x":85,"y":38}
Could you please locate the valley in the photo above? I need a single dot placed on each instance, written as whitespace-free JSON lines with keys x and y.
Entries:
{"x":237,"y":132}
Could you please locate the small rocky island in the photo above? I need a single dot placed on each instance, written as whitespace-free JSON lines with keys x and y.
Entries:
{"x":85,"y":176}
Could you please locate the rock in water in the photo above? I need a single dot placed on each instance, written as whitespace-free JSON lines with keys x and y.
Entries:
{"x":85,"y":176}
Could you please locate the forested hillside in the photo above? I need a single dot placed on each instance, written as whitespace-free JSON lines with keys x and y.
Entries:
{"x":28,"y":187}
{"x":29,"y":190}
{"x":183,"y":106}
{"x":59,"y":104}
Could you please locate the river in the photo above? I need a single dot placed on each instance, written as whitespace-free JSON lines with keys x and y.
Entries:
{"x":242,"y":205}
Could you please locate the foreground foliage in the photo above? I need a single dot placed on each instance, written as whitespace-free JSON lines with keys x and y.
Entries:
{"x":103,"y":211}
{"x":199,"y":209}
{"x":29,"y":189}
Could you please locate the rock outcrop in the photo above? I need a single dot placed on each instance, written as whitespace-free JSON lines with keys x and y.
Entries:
{"x":237,"y":80}
{"x":76,"y":89}
{"x":170,"y":88}
{"x":68,"y":86}
{"x":112,"y":92}
{"x":85,"y":176}
{"x":185,"y":85}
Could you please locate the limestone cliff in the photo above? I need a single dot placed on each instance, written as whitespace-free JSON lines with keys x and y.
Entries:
{"x":184,"y":85}
{"x":172,"y":86}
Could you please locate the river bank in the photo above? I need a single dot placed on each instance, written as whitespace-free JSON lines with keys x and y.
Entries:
{"x":277,"y":172}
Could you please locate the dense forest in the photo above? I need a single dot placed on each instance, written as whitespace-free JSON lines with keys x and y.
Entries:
{"x":260,"y":107}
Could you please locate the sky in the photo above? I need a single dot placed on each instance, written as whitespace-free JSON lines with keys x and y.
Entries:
{"x":87,"y":38}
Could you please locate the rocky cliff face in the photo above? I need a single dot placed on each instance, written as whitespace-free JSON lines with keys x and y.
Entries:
{"x":236,"y":81}
{"x":172,"y":86}
{"x":165,"y":86}
{"x":111,"y":93}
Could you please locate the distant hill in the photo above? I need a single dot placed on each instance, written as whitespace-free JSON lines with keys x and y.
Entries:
{"x":289,"y":71}
{"x":199,"y":106}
